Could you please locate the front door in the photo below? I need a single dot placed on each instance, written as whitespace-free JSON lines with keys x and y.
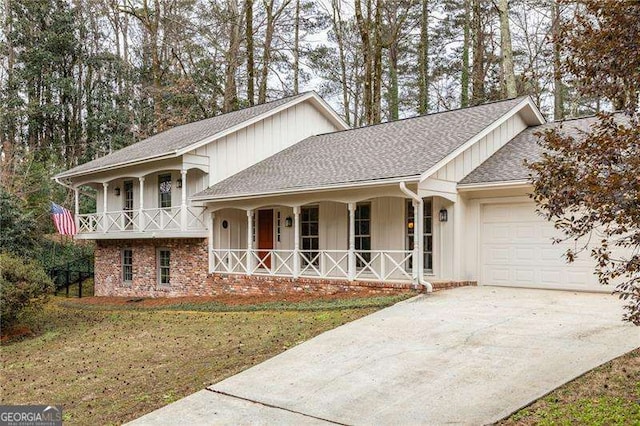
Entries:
{"x":265,"y":236}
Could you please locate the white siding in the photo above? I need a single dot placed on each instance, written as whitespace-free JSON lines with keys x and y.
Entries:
{"x":456,"y":169}
{"x":254,"y":143}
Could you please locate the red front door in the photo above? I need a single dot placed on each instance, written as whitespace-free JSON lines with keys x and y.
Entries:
{"x":265,"y":236}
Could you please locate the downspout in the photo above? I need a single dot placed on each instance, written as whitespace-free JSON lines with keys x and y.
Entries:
{"x":418,"y":233}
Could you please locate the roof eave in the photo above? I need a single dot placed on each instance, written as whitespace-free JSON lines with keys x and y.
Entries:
{"x":510,"y":184}
{"x":350,"y":185}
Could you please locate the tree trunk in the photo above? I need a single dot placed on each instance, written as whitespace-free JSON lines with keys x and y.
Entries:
{"x":296,"y":50}
{"x":507,"y":51}
{"x":376,"y":110}
{"x":248,"y":6}
{"x":363,"y":29}
{"x":338,"y":29}
{"x":478,"y":91}
{"x":230,"y":97}
{"x":558,"y":87}
{"x":393,"y":81}
{"x":423,"y":60}
{"x":464,"y":75}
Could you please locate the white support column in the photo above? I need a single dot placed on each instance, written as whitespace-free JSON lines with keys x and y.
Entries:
{"x":249,"y":242}
{"x":212,"y":224}
{"x":105,"y":186}
{"x":76,"y":208}
{"x":419,"y":232}
{"x":183,"y":205}
{"x":141,"y":221}
{"x":296,"y":241}
{"x":415,"y":263}
{"x":352,"y":241}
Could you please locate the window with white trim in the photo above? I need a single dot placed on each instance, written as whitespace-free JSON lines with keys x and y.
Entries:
{"x":164,"y":268}
{"x":127,"y":265}
{"x":363,"y":233}
{"x":164,"y":191}
{"x":309,"y":235}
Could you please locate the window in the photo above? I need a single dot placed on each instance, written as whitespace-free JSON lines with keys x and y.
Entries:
{"x":164,"y":260}
{"x":363,"y":233}
{"x":127,"y":265}
{"x":278,"y":226}
{"x":427,"y":234}
{"x":128,"y":203}
{"x":309,"y":238}
{"x":164,"y":191}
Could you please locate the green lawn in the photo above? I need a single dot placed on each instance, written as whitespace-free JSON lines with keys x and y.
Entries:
{"x":107,"y":366}
{"x":607,"y":395}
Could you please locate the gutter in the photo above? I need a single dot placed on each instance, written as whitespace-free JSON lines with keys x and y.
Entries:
{"x":417,"y":231}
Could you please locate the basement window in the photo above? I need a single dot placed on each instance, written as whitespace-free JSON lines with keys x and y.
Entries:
{"x":164,"y":261}
{"x":127,"y":266}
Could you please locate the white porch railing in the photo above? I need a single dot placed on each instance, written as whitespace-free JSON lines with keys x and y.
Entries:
{"x":376,"y":265}
{"x":146,"y":220}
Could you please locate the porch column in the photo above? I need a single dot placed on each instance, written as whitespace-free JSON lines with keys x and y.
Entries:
{"x":352,"y":241}
{"x":415,"y":261}
{"x":210,"y":241}
{"x":76,"y":208}
{"x":141,"y":209}
{"x":105,"y":186}
{"x":183,"y":205}
{"x":249,"y":242}
{"x":296,"y":241}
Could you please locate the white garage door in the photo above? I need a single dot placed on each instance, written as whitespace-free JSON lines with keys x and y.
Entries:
{"x":516,"y":251}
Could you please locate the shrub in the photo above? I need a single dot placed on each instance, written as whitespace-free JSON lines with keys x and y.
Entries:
{"x":23,"y":284}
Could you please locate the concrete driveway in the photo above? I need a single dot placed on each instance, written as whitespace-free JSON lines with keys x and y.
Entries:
{"x":470,"y":356}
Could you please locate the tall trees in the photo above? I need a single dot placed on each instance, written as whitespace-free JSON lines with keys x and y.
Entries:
{"x":508,"y":71}
{"x":588,"y":185}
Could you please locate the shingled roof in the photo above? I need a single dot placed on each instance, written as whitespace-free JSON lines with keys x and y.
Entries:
{"x":507,"y":164}
{"x":397,"y":149}
{"x":177,"y":138}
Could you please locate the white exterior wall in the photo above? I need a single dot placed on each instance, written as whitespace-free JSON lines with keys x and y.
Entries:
{"x":476,"y":154}
{"x":258,"y":141}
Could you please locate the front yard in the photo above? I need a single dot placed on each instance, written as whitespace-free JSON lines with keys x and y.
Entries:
{"x":108,"y":365}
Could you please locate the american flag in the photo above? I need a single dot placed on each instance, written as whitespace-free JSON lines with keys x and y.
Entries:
{"x":63,"y":220}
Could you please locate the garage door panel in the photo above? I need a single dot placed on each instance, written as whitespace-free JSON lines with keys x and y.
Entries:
{"x":517,"y":250}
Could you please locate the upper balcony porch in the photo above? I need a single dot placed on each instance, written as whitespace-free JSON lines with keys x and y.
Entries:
{"x":147,"y":201}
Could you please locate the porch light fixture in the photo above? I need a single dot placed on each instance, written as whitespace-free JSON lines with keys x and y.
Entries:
{"x":410,"y":225}
{"x":443,"y":215}
{"x":225,"y":224}
{"x":288,"y":222}
{"x":179,"y":183}
{"x":117,"y":191}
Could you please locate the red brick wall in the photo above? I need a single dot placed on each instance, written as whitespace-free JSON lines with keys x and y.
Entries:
{"x":190,"y":277}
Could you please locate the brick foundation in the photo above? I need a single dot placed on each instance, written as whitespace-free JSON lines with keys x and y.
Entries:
{"x":190,"y":276}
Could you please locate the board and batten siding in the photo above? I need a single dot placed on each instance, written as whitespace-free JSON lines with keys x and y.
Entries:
{"x":254,"y":143}
{"x":456,"y":169}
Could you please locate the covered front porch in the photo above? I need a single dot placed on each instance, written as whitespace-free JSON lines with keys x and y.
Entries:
{"x":355,"y":235}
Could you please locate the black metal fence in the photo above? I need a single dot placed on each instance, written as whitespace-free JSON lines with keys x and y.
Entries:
{"x":71,"y":273}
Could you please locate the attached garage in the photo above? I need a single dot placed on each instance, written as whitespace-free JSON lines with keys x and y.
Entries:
{"x":516,"y":250}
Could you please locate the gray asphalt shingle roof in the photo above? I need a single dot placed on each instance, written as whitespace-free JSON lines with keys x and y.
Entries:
{"x":403,"y":148}
{"x":507,"y":164}
{"x":176,"y":138}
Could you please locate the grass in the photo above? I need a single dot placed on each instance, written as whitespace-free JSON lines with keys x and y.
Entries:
{"x":108,"y":366}
{"x":607,"y":395}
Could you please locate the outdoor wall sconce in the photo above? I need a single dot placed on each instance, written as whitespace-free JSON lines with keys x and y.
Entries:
{"x":444,"y":215}
{"x":288,"y":222}
{"x":117,"y":191}
{"x":225,"y":224}
{"x":410,"y":225}
{"x":179,"y":183}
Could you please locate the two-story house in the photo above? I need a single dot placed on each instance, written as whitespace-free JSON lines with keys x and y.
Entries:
{"x":284,"y":196}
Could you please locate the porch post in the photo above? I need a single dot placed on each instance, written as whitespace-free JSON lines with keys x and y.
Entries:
{"x":352,"y":241}
{"x":417,"y":237}
{"x":76,"y":208}
{"x":105,"y":185}
{"x":210,"y":241}
{"x":183,"y":205}
{"x":250,"y":242}
{"x":141,"y":210}
{"x":296,"y":241}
